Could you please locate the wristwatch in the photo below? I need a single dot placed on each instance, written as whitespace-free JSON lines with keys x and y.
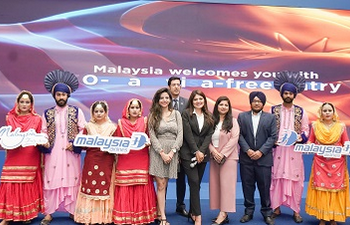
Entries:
{"x":174,"y":150}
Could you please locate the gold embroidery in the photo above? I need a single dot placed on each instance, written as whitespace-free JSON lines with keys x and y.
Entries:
{"x":150,"y":214}
{"x":132,"y":171}
{"x":72,"y":122}
{"x":133,"y":181}
{"x":298,"y":115}
{"x":19,"y":168}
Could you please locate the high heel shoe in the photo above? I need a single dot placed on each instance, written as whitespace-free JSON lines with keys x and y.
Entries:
{"x":226,"y":220}
{"x":190,"y":218}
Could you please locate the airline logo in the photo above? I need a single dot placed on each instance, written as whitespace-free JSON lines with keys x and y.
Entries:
{"x":288,"y":138}
{"x":117,"y":145}
{"x":13,"y":139}
{"x":328,"y":151}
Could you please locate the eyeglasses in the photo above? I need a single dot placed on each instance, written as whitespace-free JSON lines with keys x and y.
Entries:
{"x":257,"y":101}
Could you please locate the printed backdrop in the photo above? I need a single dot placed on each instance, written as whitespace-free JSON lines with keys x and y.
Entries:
{"x":129,"y":49}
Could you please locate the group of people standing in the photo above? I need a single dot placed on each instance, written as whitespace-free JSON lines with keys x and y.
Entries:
{"x":184,"y":137}
{"x":268,"y":161}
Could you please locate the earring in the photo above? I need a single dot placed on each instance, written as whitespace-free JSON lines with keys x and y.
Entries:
{"x":128,"y":116}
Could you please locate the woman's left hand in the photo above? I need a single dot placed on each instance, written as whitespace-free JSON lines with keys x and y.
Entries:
{"x":218,"y":157}
{"x":199,"y":156}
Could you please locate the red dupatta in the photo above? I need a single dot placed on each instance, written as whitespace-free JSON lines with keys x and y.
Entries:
{"x":21,"y":163}
{"x":132,"y":169}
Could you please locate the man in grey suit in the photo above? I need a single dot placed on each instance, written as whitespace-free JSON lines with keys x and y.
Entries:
{"x":179,"y":103}
{"x":258,"y":134}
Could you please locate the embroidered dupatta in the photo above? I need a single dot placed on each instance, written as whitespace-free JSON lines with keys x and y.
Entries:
{"x":132,"y":169}
{"x":329,"y":172}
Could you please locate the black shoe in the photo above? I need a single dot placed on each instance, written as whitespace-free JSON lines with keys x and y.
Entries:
{"x":297,"y":219}
{"x":189,"y":217}
{"x":226,"y":220}
{"x":246,"y":218}
{"x":269,"y":221}
{"x":182,"y":212}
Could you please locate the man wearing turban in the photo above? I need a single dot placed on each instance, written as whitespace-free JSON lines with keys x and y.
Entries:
{"x":258,"y":134}
{"x":288,"y":167}
{"x":62,"y":160}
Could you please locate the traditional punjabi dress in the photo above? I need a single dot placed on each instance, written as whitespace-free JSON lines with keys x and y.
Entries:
{"x":328,"y":191}
{"x":135,"y":197}
{"x":62,"y":167}
{"x":95,"y":199}
{"x":21,"y":197}
{"x":288,"y":167}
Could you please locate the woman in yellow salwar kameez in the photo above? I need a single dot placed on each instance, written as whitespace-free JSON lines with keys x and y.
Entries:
{"x":328,"y":191}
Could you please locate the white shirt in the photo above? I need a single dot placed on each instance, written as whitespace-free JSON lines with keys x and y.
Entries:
{"x":200,"y":119}
{"x":255,"y":120}
{"x":216,"y":135}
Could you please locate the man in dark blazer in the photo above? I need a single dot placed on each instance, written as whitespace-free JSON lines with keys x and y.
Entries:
{"x":179,"y":103}
{"x":258,"y":134}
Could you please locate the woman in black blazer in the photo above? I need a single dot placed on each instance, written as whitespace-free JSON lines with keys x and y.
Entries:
{"x":198,"y":127}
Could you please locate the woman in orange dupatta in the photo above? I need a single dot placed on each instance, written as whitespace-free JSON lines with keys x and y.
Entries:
{"x":95,"y":198}
{"x":135,"y":197}
{"x":21,"y":192}
{"x":328,"y":191}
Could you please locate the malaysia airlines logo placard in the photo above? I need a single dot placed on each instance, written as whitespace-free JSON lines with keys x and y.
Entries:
{"x":327,"y":151}
{"x":288,"y":138}
{"x":13,"y":139}
{"x":116,"y":145}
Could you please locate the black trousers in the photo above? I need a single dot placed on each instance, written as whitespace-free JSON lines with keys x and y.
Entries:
{"x":180,"y":188}
{"x":252,"y":174}
{"x":194,"y":177}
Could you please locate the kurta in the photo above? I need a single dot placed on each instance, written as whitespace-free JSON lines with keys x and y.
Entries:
{"x":21,"y":197}
{"x":223,"y":178}
{"x":62,"y":167}
{"x":288,"y":166}
{"x":328,"y":190}
{"x":168,"y":136}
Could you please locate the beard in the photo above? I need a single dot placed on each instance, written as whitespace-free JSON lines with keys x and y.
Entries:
{"x":288,"y":100}
{"x":61,"y":102}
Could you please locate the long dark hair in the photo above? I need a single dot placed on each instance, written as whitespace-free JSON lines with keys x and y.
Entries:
{"x":227,"y":123}
{"x":155,"y":112}
{"x":208,"y":117}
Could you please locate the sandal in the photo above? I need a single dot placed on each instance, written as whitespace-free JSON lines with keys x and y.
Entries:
{"x":45,"y":222}
{"x":276,"y":213}
{"x":164,"y":222}
{"x":158,"y":219}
